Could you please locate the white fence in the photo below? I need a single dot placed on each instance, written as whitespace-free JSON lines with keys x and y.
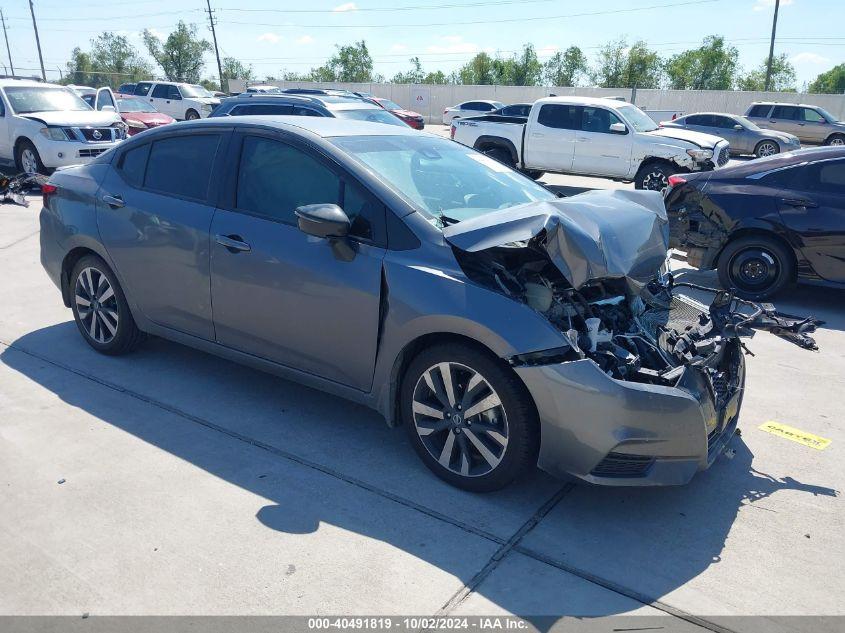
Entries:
{"x":429,"y":100}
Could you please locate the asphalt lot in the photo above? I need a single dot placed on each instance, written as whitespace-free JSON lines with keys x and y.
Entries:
{"x":192,"y":485}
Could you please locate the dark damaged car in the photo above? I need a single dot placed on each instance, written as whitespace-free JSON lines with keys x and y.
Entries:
{"x":504,"y":327}
{"x":765,"y":224}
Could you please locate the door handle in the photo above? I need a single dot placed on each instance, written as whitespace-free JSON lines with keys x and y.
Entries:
{"x":234,"y":243}
{"x":115,"y":202}
{"x":537,"y":135}
{"x":799,"y":203}
{"x":581,"y":139}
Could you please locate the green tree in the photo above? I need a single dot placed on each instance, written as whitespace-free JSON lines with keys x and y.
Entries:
{"x":524,"y":68}
{"x":233,"y":69}
{"x":413,"y":76}
{"x":621,"y":66}
{"x":351,"y":63}
{"x":712,"y":66}
{"x":831,"y":82}
{"x":565,"y":68}
{"x":181,"y":54}
{"x":436,"y":77}
{"x":479,"y":71}
{"x":79,"y":69}
{"x":117,"y":60}
{"x":783,"y":76}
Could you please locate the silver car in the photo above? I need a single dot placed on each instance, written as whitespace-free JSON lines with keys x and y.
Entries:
{"x":811,"y":124}
{"x":744,"y":136}
{"x":503,"y":327}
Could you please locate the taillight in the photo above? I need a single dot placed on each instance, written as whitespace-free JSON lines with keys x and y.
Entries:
{"x":47,"y":191}
{"x":452,"y":132}
{"x":676,"y":180}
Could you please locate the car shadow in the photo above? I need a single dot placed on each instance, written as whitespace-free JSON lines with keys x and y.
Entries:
{"x":671,"y":534}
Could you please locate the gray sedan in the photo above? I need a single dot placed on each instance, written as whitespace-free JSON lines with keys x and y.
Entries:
{"x":744,"y":136}
{"x":502,"y":326}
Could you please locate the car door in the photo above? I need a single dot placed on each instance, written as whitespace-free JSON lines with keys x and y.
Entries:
{"x":814,"y":212}
{"x":550,"y":139}
{"x":723,"y":126}
{"x":815,"y":126}
{"x":598,"y":149}
{"x":6,"y":146}
{"x":153,"y":213}
{"x":158,"y":96}
{"x":785,"y":119}
{"x":105,"y":98}
{"x":286,"y":296}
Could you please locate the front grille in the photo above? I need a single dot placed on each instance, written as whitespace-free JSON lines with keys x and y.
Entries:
{"x":97,"y":134}
{"x":91,"y":153}
{"x":724,"y":156}
{"x":622,"y":465}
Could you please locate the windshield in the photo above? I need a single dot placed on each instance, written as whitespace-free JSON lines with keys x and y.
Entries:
{"x":387,"y":104}
{"x":38,"y":99}
{"x":640,"y":121}
{"x":369,"y":114}
{"x":445,"y":180}
{"x":193,"y":90}
{"x":134,"y":105}
{"x":748,"y":125}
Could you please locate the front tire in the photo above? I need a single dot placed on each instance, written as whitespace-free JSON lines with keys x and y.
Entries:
{"x":654,"y":176}
{"x":756,"y":266}
{"x":100,"y":308}
{"x":836,"y":139}
{"x":469,"y":417}
{"x":766,"y":148}
{"x":192,"y":115}
{"x":28,"y":160}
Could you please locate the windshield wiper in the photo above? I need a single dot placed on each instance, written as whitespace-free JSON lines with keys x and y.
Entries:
{"x":445,"y":220}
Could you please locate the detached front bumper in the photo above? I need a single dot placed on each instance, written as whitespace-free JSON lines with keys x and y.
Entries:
{"x":620,"y":433}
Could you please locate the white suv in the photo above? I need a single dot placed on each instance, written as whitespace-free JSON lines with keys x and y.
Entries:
{"x":181,"y":101}
{"x":44,"y":126}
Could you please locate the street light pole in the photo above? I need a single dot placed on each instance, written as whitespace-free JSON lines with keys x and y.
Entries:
{"x":772,"y":48}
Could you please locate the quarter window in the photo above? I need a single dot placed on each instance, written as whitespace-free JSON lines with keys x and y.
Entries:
{"x":563,"y":117}
{"x":195,"y":153}
{"x":133,"y":163}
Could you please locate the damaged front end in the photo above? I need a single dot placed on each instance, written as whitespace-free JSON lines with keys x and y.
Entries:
{"x":590,"y":264}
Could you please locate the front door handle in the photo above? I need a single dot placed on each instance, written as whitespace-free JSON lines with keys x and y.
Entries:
{"x":234,"y":243}
{"x":800,"y":203}
{"x":115,"y":202}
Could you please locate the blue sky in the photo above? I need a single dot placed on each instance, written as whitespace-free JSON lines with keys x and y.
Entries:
{"x":274,"y":34}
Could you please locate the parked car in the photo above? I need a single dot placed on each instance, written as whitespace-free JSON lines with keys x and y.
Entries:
{"x":414,"y":275}
{"x":414,"y":119}
{"x":139,"y":115}
{"x":44,"y":126}
{"x":514,"y":109}
{"x":470,"y":108}
{"x":179,"y":100}
{"x":765,"y":224}
{"x":264,"y":89}
{"x":811,"y":124}
{"x":744,"y":136}
{"x":594,"y":137}
{"x":310,"y":104}
{"x":127,"y":89}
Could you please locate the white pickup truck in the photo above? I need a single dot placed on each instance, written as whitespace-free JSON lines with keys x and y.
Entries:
{"x":592,"y":137}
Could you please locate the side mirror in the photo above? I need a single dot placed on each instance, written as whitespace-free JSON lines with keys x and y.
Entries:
{"x":323,"y":220}
{"x":618,"y":128}
{"x":738,"y":127}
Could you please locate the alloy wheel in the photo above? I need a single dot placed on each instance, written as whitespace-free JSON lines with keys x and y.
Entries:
{"x":96,"y":305}
{"x":767,"y":149}
{"x":837,"y":140}
{"x":655,"y":181}
{"x":460,"y":419}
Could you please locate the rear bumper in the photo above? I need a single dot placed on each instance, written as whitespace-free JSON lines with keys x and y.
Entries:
{"x":619,"y":433}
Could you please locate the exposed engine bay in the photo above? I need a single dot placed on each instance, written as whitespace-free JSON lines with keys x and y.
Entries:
{"x":592,"y":271}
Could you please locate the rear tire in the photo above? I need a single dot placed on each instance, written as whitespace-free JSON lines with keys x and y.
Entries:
{"x":766,"y":148}
{"x":756,"y":266}
{"x":485,"y":450}
{"x":100,"y":308}
{"x":532,"y":174}
{"x":500,"y":154}
{"x":836,"y":139}
{"x":654,"y":176}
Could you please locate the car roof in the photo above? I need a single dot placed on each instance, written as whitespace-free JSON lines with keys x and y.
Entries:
{"x":325,"y":127}
{"x":778,"y":161}
{"x":785,"y":103}
{"x":331,"y":102}
{"x":727,"y":114}
{"x":610,"y":103}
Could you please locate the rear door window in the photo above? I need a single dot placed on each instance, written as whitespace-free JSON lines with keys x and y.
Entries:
{"x":561,"y":117}
{"x":181,"y":165}
{"x":143,"y":88}
{"x":759,"y":111}
{"x":786,"y":113}
{"x":262,"y":108}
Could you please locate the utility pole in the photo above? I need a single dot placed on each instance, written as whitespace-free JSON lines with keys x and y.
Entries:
{"x":8,"y":50}
{"x":224,"y":85}
{"x":37,"y":40}
{"x":772,"y":48}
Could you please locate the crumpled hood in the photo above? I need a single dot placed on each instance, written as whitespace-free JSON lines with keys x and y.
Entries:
{"x":704,"y":141}
{"x":75,"y":118}
{"x":594,"y":235}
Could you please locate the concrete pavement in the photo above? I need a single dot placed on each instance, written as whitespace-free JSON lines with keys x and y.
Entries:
{"x":196,"y":486}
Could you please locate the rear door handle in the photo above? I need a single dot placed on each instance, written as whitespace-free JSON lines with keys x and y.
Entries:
{"x":537,"y":135}
{"x":799,"y":202}
{"x":234,"y":243}
{"x":115,"y":202}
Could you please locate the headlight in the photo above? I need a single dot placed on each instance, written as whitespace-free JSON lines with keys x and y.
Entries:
{"x":206,"y":107}
{"x":138,"y":125}
{"x":54,"y":133}
{"x":700,"y":155}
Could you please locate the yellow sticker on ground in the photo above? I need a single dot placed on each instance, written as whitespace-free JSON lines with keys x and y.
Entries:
{"x":796,"y":435}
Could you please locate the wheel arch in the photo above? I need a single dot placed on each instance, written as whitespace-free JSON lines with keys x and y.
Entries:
{"x":484,"y":143}
{"x":69,"y":261}
{"x":832,"y":135}
{"x":754,"y":231}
